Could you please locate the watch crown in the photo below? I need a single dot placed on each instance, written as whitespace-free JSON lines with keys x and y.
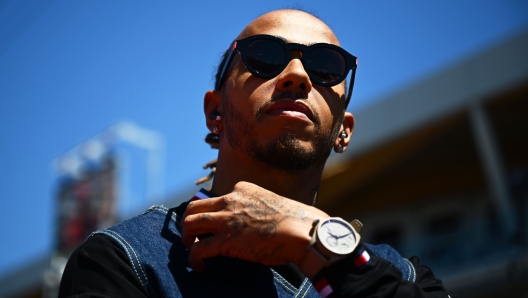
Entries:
{"x":357,"y":225}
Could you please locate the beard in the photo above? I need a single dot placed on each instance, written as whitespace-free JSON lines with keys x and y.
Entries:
{"x":286,"y":153}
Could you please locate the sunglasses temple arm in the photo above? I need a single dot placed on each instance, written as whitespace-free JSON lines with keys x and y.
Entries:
{"x":224,"y":70}
{"x":350,"y":88}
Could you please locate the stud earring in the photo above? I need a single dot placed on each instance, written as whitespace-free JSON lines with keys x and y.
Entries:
{"x":216,"y":115}
{"x":343,"y":135}
{"x":215,"y":129}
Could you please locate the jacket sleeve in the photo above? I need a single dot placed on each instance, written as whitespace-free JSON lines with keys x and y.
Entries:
{"x":100,"y":268}
{"x":379,"y":278}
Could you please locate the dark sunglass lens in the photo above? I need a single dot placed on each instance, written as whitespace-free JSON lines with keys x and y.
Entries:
{"x":326,"y":65}
{"x":265,"y":56}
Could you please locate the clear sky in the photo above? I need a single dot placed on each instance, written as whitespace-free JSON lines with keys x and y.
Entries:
{"x":70,"y":69}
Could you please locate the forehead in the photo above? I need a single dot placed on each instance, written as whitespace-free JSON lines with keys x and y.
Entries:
{"x":292,"y":26}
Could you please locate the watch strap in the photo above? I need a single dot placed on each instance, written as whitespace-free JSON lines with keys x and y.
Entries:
{"x":326,"y":278}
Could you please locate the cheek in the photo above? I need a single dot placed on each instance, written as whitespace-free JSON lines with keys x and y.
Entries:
{"x":242,"y":91}
{"x":333,"y":99}
{"x":237,"y":82}
{"x":254,"y":91}
{"x":331,"y":106}
{"x":340,"y":92}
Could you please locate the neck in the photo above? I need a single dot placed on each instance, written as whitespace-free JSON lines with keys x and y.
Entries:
{"x":301,"y":186}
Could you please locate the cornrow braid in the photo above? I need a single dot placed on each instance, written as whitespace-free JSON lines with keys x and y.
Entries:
{"x":213,"y":140}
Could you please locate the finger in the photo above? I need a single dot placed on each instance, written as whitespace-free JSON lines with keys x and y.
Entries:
{"x":198,"y":224}
{"x":206,"y":248}
{"x":201,"y":206}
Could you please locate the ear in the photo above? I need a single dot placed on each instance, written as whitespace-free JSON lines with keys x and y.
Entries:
{"x":348,"y":127}
{"x":212,"y":101}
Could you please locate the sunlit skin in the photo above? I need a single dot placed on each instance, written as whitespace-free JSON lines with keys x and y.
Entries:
{"x":248,"y":92}
{"x":263,"y":213}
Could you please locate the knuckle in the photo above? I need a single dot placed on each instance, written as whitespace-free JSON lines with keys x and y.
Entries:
{"x":189,"y":219}
{"x":227,"y":199}
{"x":240,"y":184}
{"x":191,"y":205}
{"x":196,"y":217}
{"x":243,"y":185}
{"x":204,"y":216}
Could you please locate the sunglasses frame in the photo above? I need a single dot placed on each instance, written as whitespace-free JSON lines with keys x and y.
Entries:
{"x":240,"y":46}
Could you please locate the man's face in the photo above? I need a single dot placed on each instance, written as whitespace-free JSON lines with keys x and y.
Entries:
{"x":287,"y":121}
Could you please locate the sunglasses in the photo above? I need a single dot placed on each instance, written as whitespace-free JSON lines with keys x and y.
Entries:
{"x":266,"y":56}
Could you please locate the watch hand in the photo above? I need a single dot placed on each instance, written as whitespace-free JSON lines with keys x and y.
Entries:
{"x":342,"y":235}
{"x":333,"y":235}
{"x":330,"y":232}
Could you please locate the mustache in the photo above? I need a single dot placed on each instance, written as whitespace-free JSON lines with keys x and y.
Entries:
{"x":291,"y":95}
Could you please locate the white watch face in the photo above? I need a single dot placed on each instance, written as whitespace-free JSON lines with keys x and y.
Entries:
{"x":337,"y":236}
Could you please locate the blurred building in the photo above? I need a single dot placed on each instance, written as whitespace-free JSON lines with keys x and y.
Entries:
{"x":85,"y":202}
{"x":438,"y":169}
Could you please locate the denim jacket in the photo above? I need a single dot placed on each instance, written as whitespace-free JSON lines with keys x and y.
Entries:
{"x":153,"y":244}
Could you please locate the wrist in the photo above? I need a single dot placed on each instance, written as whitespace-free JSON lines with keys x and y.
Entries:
{"x":311,"y":263}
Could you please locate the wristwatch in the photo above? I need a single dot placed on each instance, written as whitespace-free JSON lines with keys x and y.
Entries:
{"x":334,"y":239}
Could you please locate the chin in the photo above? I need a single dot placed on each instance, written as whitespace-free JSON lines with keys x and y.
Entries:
{"x":290,"y":154}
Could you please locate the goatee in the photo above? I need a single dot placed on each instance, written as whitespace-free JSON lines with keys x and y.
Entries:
{"x":286,"y":153}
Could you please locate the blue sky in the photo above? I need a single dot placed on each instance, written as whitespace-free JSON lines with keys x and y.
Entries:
{"x":70,"y":69}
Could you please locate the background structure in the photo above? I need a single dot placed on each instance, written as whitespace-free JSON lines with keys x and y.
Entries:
{"x":425,"y":100}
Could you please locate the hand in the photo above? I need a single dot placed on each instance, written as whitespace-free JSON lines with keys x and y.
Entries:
{"x":250,"y":223}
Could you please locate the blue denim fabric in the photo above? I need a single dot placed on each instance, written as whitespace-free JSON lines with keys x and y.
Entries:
{"x":153,"y":244}
{"x":390,"y":254}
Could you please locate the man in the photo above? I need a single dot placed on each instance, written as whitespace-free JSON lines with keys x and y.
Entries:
{"x":277,"y":110}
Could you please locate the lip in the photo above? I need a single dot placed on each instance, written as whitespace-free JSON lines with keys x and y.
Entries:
{"x":291,"y":108}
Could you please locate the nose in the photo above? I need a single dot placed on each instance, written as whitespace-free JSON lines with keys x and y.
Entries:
{"x":294,"y":78}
